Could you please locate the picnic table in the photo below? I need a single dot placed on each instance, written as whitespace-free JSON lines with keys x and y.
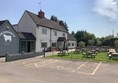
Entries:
{"x":89,"y":54}
{"x":113,"y":56}
{"x":111,"y":51}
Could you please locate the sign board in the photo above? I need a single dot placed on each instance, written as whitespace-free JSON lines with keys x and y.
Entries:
{"x":8,"y":36}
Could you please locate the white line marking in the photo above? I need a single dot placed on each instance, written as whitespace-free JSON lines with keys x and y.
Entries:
{"x":96,"y":69}
{"x":80,"y":66}
{"x":36,"y":65}
{"x":41,"y":65}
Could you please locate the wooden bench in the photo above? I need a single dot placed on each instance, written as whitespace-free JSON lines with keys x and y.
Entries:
{"x":113,"y":56}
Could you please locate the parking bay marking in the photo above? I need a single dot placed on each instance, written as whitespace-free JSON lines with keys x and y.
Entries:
{"x":93,"y":73}
{"x":96,"y":68}
{"x":44,"y":64}
{"x":80,"y":66}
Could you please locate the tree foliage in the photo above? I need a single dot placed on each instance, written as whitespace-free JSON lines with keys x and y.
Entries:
{"x":116,"y":43}
{"x":90,"y":39}
{"x":83,"y":36}
{"x":54,"y":18}
{"x":62,"y":23}
{"x":81,"y":44}
{"x":91,"y":42}
{"x":98,"y":42}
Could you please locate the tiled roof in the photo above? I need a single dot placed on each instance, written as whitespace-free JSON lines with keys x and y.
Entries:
{"x":1,"y":22}
{"x":71,"y":37}
{"x":26,"y":36}
{"x":46,"y":22}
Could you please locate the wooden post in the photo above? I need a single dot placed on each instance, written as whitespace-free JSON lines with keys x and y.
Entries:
{"x":44,"y":52}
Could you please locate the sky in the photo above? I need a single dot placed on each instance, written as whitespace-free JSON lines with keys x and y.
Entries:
{"x":99,"y":17}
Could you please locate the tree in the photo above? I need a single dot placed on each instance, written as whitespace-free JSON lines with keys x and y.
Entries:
{"x":116,"y":43}
{"x":83,"y":36}
{"x":81,"y":44}
{"x":91,"y":42}
{"x":66,"y":26}
{"x":98,"y":42}
{"x":61,"y":22}
{"x":54,"y":18}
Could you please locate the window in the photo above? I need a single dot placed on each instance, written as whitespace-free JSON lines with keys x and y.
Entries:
{"x":72,"y":44}
{"x":23,"y":46}
{"x":44,"y":31}
{"x":54,"y":44}
{"x":64,"y":34}
{"x":43,"y":44}
{"x":68,"y":44}
{"x":55,"y":33}
{"x":32,"y":43}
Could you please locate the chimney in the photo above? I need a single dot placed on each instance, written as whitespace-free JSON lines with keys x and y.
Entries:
{"x":41,"y":14}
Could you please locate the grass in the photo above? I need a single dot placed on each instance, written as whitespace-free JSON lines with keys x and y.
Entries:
{"x":100,"y":57}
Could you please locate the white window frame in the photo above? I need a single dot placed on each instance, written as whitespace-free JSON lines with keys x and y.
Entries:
{"x":54,"y":43}
{"x":44,"y":31}
{"x":55,"y":33}
{"x":42,"y":46}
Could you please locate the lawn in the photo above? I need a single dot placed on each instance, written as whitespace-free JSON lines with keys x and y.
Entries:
{"x":100,"y":57}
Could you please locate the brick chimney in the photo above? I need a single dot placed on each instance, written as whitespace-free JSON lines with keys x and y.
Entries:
{"x":41,"y":14}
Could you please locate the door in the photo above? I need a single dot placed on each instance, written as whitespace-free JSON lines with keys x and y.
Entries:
{"x":28,"y":46}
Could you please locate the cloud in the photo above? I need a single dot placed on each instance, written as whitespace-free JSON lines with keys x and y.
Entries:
{"x":107,"y":8}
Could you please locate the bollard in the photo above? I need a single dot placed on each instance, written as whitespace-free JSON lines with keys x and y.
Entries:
{"x":44,"y":52}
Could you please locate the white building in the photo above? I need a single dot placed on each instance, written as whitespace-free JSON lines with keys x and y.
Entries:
{"x":72,"y":42}
{"x":47,"y":32}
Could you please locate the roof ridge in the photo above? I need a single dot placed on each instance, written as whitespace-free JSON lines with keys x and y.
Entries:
{"x":44,"y":18}
{"x":46,"y":22}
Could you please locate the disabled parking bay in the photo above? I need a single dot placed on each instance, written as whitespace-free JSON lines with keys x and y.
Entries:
{"x":44,"y":70}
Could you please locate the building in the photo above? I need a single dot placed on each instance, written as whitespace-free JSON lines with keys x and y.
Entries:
{"x":9,"y":39}
{"x":72,"y":42}
{"x":47,"y":32}
{"x":33,"y":33}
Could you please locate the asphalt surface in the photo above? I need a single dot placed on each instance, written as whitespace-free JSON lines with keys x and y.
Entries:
{"x":43,"y":70}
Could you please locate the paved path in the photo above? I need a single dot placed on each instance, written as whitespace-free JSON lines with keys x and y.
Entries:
{"x":41,"y":70}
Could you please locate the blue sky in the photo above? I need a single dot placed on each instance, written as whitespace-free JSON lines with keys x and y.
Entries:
{"x":99,"y":17}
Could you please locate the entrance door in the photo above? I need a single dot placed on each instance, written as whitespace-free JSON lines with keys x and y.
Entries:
{"x":28,"y":46}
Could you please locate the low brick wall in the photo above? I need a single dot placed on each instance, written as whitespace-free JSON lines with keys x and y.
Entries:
{"x":13,"y":57}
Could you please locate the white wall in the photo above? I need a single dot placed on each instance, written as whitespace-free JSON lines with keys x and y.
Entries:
{"x":59,"y":34}
{"x":75,"y":44}
{"x":26,"y":24}
{"x":42,"y":38}
{"x":49,"y":37}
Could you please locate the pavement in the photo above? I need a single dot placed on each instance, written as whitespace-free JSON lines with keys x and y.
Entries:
{"x":46,"y":70}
